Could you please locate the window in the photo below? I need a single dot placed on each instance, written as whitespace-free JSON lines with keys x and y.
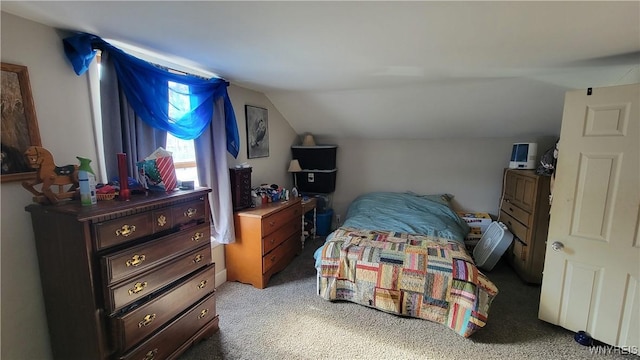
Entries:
{"x":184,"y":154}
{"x":183,"y":151}
{"x":184,"y":158}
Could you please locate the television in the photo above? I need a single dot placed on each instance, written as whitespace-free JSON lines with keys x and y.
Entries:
{"x":523,"y":156}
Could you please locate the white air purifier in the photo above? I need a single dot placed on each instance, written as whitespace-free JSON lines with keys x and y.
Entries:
{"x":523,"y":156}
{"x":494,"y":242}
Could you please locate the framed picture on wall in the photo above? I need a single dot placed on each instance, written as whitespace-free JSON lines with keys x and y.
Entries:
{"x":257,"y":132}
{"x":19,"y":126}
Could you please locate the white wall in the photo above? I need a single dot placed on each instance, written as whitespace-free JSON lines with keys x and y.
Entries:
{"x":470,"y":169}
{"x":62,"y":108}
{"x":64,"y":117}
{"x":271,"y":169}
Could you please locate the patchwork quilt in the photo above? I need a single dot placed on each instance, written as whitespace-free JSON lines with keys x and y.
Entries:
{"x":419,"y":276}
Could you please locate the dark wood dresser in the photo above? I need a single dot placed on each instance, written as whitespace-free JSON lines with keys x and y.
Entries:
{"x":267,"y":239}
{"x":525,"y":211}
{"x":127,"y":279}
{"x":240,"y":188}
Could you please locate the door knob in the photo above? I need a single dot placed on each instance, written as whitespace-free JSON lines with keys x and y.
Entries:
{"x":557,"y":246}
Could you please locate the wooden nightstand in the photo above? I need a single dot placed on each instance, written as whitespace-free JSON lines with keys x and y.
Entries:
{"x":308,"y":205}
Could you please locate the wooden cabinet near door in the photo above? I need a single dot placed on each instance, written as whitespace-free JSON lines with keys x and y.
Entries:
{"x":525,"y":211}
{"x":267,"y":239}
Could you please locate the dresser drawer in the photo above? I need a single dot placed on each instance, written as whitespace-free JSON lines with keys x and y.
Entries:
{"x":118,"y":231}
{"x":520,"y":252}
{"x":135,"y":260}
{"x":171,"y":337}
{"x":144,"y":284}
{"x":162,"y":220}
{"x":277,"y":237}
{"x":143,"y":321}
{"x":517,"y":229}
{"x":184,"y":213}
{"x":274,"y":221}
{"x":517,"y":213}
{"x":281,"y":253}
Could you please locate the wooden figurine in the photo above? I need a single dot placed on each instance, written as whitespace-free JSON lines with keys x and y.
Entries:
{"x":48,"y":174}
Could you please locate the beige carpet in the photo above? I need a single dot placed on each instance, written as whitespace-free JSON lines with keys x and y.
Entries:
{"x":287,"y":320}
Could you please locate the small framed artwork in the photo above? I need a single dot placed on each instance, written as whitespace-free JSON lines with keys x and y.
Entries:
{"x":19,"y":126}
{"x":257,"y":132}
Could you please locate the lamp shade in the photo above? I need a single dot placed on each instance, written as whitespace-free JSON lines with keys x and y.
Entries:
{"x":308,"y":140}
{"x":294,"y":166}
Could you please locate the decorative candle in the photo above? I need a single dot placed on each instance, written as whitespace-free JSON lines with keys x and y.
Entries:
{"x":124,"y":177}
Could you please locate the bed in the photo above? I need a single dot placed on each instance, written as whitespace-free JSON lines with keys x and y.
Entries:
{"x":404,"y":253}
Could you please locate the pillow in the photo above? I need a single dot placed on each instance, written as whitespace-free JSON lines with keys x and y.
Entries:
{"x":444,"y":199}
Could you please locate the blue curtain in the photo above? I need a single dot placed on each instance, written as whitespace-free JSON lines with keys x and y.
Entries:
{"x":147,"y":88}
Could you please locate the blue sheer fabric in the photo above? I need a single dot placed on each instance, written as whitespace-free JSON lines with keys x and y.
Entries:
{"x":155,"y":95}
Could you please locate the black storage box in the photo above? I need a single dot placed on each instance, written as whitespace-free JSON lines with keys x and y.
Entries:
{"x":319,"y":157}
{"x":316,"y":181}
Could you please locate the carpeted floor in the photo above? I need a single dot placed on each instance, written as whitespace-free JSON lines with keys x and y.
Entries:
{"x":287,"y":320}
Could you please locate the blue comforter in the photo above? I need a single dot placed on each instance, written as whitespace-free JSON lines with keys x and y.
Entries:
{"x":405,"y":212}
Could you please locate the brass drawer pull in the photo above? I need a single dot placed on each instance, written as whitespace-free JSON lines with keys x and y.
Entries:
{"x":191,"y":212}
{"x":203,"y":313}
{"x":273,"y":258}
{"x":136,"y":260}
{"x":202,"y":284}
{"x":197,"y":236}
{"x":146,"y":320}
{"x":139,"y":286}
{"x":126,"y":230}
{"x":198,"y":258}
{"x":272,"y":223}
{"x":151,"y":354}
{"x":162,"y":220}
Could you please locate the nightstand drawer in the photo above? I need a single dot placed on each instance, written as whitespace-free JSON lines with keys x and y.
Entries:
{"x":517,"y":229}
{"x":517,"y":213}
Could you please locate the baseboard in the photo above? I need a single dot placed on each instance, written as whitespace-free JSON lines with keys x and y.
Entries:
{"x":221,"y":277}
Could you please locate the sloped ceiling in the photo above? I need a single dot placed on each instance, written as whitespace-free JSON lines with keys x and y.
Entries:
{"x":384,"y":69}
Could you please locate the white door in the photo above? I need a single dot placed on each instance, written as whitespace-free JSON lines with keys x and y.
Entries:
{"x":591,"y":275}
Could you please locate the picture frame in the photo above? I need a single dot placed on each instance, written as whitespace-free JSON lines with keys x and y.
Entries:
{"x":19,"y":125}
{"x":257,"y":131}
